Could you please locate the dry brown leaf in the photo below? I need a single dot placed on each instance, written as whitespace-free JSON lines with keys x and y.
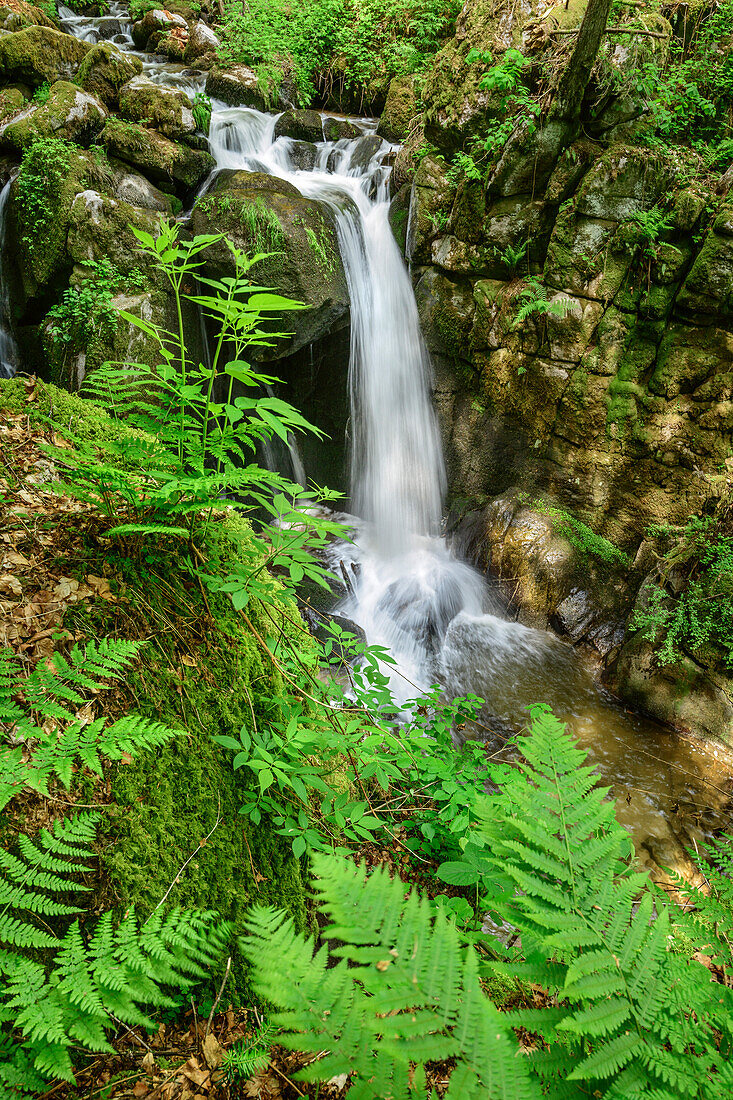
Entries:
{"x":10,"y":584}
{"x":190,"y":662}
{"x":213,"y":1051}
{"x":193,"y":1071}
{"x":101,"y":587}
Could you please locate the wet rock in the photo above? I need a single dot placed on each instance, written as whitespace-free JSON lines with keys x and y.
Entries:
{"x":364,"y":151}
{"x":202,"y":45}
{"x":399,"y":110}
{"x":69,"y":113}
{"x":399,"y":211}
{"x":682,"y":694}
{"x":430,"y":201}
{"x":303,"y":155}
{"x":551,"y":579}
{"x":164,"y":109}
{"x":302,"y":125}
{"x":40,"y":54}
{"x":105,"y":70}
{"x":157,"y":157}
{"x":237,"y":85}
{"x":261,"y":214}
{"x":335,"y":129}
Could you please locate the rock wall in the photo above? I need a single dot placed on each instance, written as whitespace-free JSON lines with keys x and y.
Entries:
{"x":579,"y":315}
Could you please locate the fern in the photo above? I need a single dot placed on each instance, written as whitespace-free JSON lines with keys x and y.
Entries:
{"x":61,"y":986}
{"x":248,"y":1058}
{"x":405,"y":992}
{"x":627,"y":1014}
{"x":555,"y":864}
{"x":47,"y":737}
{"x":70,"y":992}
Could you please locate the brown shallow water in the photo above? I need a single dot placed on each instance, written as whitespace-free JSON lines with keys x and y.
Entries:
{"x":672,"y":792}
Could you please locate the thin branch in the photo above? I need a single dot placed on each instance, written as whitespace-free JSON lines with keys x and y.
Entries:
{"x":218,"y":996}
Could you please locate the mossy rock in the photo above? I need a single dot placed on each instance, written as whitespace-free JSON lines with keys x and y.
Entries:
{"x":301,"y":125}
{"x":105,"y":70}
{"x":12,"y":100}
{"x":399,"y":213}
{"x":260,"y":214}
{"x":21,"y":15}
{"x":238,"y":86}
{"x":53,"y":173}
{"x":336,"y":129}
{"x":167,"y":110}
{"x":69,"y":113}
{"x":160,"y":159}
{"x":400,"y":109}
{"x":40,"y":54}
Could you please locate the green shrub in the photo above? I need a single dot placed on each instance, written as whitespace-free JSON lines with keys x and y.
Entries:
{"x":334,"y":43}
{"x":696,"y":613}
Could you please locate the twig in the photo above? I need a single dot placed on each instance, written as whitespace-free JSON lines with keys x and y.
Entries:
{"x":183,"y":866}
{"x":218,"y":996}
{"x":129,"y":1032}
{"x":195,"y":1023}
{"x":291,"y":1083}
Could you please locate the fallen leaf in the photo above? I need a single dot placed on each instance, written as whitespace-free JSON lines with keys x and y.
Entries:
{"x":188,"y":661}
{"x":213,"y":1051}
{"x":101,"y":587}
{"x":193,"y":1071}
{"x":11,"y":584}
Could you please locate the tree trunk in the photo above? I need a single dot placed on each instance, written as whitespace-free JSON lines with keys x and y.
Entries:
{"x":574,"y":80}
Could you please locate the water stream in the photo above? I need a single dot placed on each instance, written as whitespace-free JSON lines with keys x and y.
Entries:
{"x":411,"y":593}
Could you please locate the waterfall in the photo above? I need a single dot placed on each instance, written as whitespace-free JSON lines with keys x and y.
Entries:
{"x":408,"y":585}
{"x":8,"y":347}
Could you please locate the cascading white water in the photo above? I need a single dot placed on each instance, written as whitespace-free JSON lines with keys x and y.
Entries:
{"x":408,"y":585}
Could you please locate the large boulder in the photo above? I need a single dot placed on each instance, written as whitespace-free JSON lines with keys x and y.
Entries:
{"x":238,"y":86}
{"x":201,"y":46}
{"x":399,"y":110}
{"x":105,"y":69}
{"x":160,"y":159}
{"x":54,"y":174}
{"x":22,"y":14}
{"x":69,"y":113}
{"x":302,"y":125}
{"x":167,"y":110}
{"x":39,"y":55}
{"x":260,"y":213}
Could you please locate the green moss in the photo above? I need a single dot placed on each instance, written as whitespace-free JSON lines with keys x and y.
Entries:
{"x":207,"y":676}
{"x":85,"y":418}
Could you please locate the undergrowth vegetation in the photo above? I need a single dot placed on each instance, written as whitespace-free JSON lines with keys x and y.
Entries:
{"x":690,"y":609}
{"x":335,"y":47}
